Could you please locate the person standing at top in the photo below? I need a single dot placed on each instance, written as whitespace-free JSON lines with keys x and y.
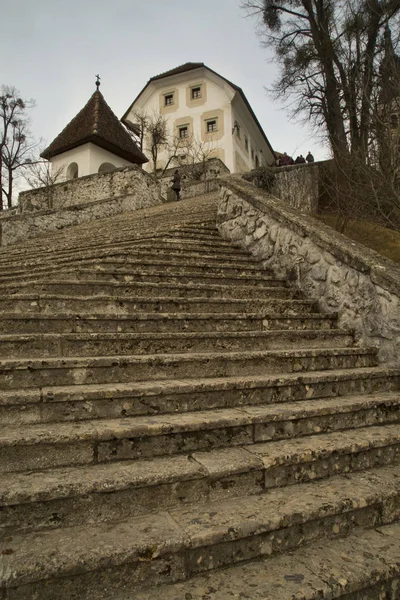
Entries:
{"x":176,"y":184}
{"x":286,"y":160}
{"x":309,"y":157}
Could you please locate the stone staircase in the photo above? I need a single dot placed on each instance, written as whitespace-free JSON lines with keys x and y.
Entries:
{"x":178,"y":423}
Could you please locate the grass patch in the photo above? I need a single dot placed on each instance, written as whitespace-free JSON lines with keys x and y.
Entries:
{"x":378,"y":238}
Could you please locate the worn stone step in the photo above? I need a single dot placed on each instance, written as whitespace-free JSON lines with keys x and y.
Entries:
{"x":119,"y":400}
{"x":185,"y":239}
{"x":45,"y":345}
{"x":232,"y":255}
{"x":144,"y":289}
{"x":71,"y":496}
{"x":363,"y":566}
{"x":99,"y":561}
{"x":168,"y":275}
{"x":225,"y":268}
{"x":128,"y":305}
{"x":144,"y":268}
{"x":132,"y":438}
{"x":30,"y":373}
{"x":161,"y":322}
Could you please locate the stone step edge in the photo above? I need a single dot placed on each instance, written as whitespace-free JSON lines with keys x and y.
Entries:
{"x":100,"y":430}
{"x":255,"y":267}
{"x":321,"y":570}
{"x":177,"y":299}
{"x":119,"y":249}
{"x":239,"y":277}
{"x":146,"y":285}
{"x":167,"y":358}
{"x":158,"y":316}
{"x":67,"y":482}
{"x":161,"y":387}
{"x":188,"y":531}
{"x":180,"y":335}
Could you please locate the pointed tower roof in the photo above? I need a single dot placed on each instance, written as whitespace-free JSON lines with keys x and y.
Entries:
{"x":96,"y":123}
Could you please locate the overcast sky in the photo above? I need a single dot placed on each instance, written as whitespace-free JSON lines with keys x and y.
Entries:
{"x":51,"y":50}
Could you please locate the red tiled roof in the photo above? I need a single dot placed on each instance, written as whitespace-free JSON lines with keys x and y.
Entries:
{"x":96,"y":123}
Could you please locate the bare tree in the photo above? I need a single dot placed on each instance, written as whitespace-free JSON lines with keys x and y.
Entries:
{"x":329,"y":53}
{"x":152,"y":133}
{"x":16,"y":144}
{"x":138,"y":128}
{"x":40,"y":173}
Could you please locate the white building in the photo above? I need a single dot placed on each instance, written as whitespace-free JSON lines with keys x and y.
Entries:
{"x":94,"y":141}
{"x":202,"y":105}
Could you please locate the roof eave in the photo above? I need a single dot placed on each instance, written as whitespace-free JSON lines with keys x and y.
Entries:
{"x":140,"y":158}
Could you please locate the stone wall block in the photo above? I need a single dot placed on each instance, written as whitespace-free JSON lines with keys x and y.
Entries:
{"x":312,"y":255}
{"x":273,"y":231}
{"x":260,"y":231}
{"x":335,"y":275}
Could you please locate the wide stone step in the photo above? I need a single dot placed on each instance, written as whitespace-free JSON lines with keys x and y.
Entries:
{"x":29,"y":373}
{"x":169,"y":239}
{"x":106,"y":344}
{"x":145,"y":289}
{"x":168,"y":275}
{"x":132,"y":438}
{"x":111,"y":400}
{"x":99,"y":561}
{"x":128,"y":305}
{"x":363,"y":566}
{"x":67,"y":497}
{"x":160,"y":322}
{"x":224,"y":268}
{"x":144,"y":268}
{"x":234,"y":256}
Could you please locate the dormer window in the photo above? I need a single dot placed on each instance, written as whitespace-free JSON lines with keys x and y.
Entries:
{"x":168,"y":99}
{"x":196,"y":92}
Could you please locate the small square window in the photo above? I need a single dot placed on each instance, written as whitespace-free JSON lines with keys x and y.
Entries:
{"x":212,"y":126}
{"x":183,"y":132}
{"x":196,"y":92}
{"x":168,"y":99}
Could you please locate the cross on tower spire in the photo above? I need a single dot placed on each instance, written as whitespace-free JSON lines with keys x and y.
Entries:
{"x":97,"y":81}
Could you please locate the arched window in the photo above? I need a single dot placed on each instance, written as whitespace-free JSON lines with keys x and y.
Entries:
{"x":257,"y":162}
{"x":106,"y":167}
{"x":72,"y":171}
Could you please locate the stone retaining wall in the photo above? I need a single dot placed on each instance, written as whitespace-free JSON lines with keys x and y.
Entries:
{"x":134,"y":189}
{"x":298,"y":186}
{"x":343,"y":275}
{"x":117,"y":183}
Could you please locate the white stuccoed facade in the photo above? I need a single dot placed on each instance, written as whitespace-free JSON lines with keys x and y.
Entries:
{"x":87,"y":160}
{"x":195,"y":99}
